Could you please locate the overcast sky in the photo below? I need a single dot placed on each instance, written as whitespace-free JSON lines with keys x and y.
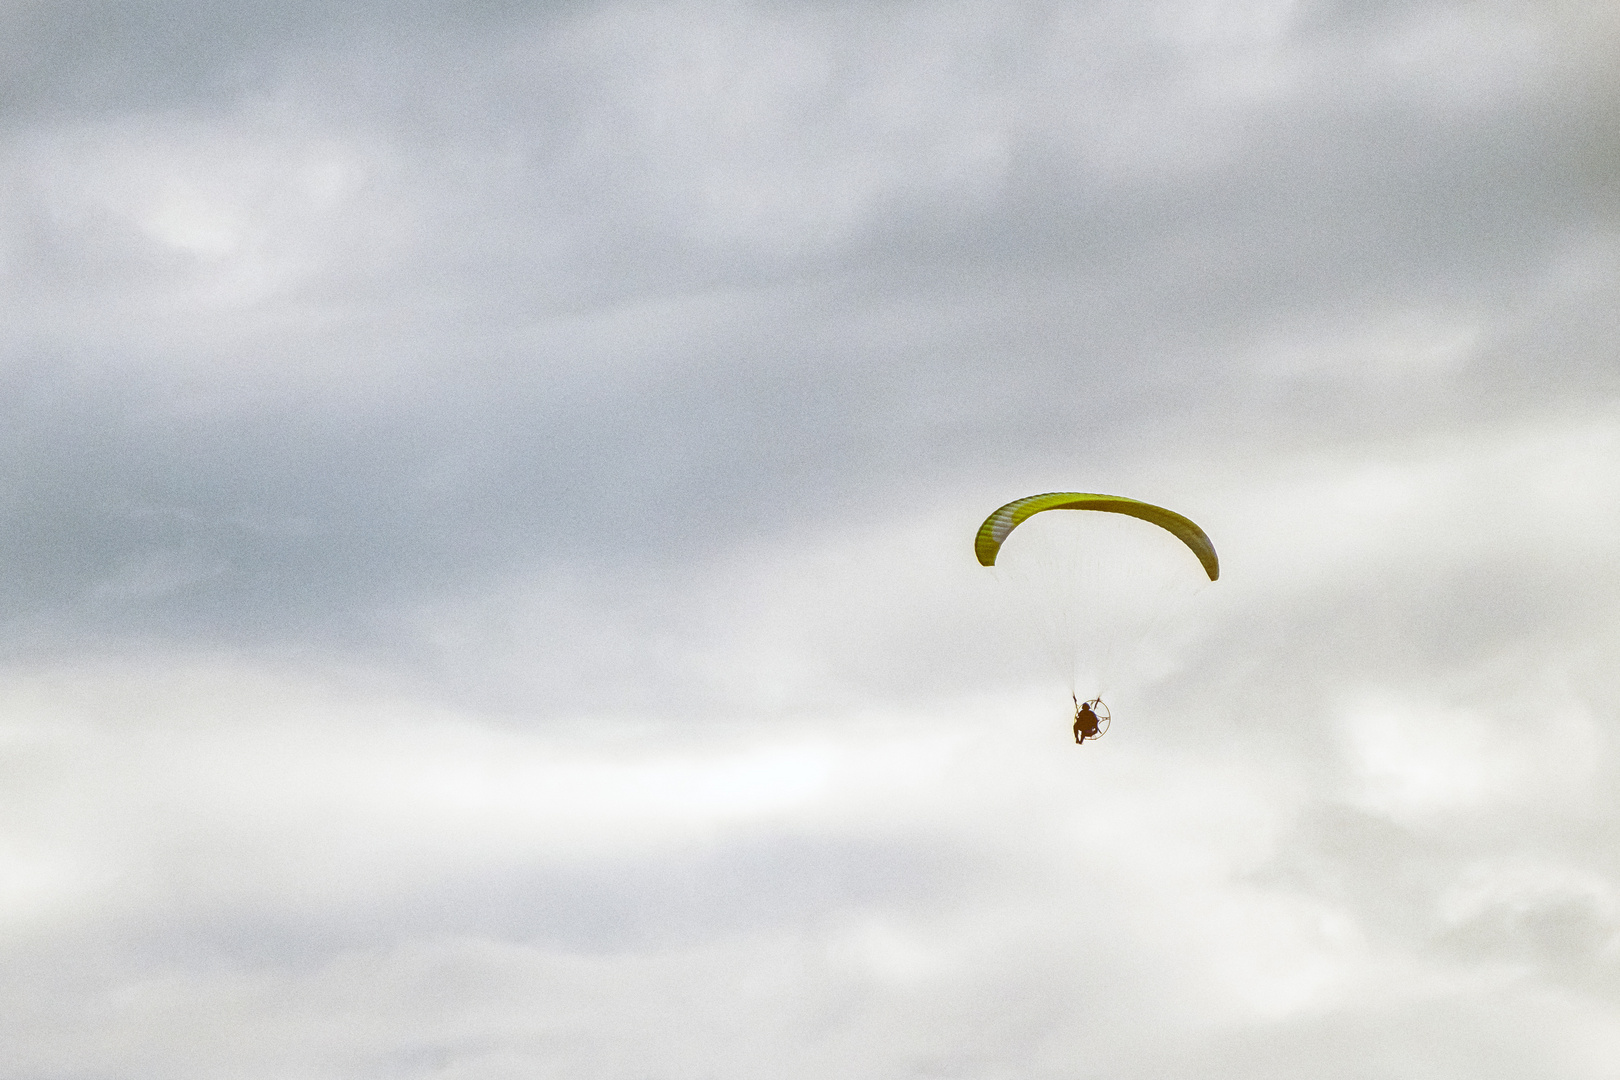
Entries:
{"x":490,"y":490}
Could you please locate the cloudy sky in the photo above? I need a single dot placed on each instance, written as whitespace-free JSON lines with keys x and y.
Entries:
{"x":490,"y":489}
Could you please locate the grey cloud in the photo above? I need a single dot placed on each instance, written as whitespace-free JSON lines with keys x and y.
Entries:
{"x":543,"y":359}
{"x":77,"y":57}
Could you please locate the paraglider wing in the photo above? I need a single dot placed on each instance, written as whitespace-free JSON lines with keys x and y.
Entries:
{"x":999,"y":525}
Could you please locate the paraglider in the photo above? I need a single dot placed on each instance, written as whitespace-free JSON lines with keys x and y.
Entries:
{"x":1096,"y":590}
{"x":1088,"y":722}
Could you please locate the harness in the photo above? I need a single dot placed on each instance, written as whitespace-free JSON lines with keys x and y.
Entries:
{"x":1100,"y":719}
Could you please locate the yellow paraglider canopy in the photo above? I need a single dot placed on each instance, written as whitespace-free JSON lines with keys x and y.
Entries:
{"x":1000,"y":524}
